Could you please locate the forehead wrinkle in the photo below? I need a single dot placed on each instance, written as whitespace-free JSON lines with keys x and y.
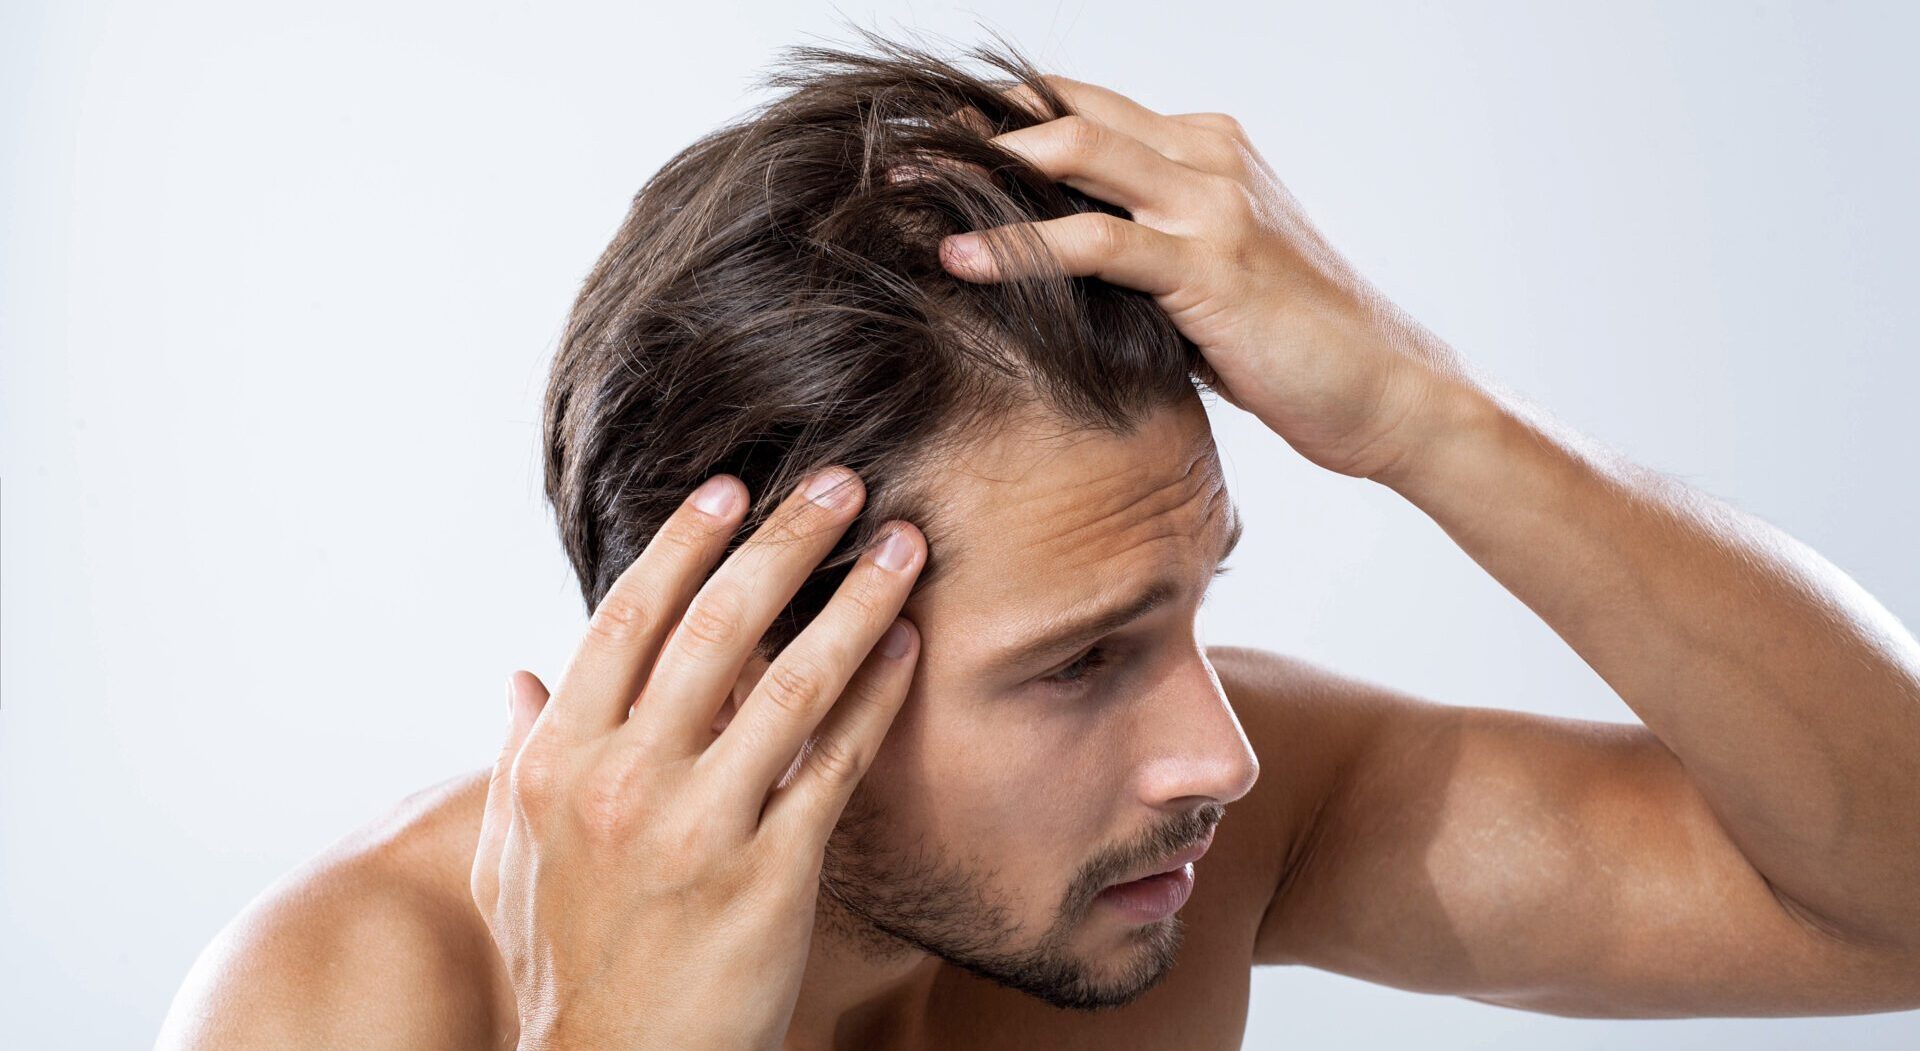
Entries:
{"x":1008,"y":490}
{"x":1082,"y":538}
{"x":1055,"y":633}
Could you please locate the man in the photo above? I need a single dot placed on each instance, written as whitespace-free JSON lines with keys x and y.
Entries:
{"x":934,"y":758}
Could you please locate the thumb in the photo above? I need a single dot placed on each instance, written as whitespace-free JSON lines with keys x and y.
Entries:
{"x":526,"y":698}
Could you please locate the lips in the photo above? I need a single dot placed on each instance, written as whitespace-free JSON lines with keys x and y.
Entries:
{"x":1191,"y":854}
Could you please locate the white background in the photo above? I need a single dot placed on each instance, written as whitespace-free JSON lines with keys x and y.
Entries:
{"x":280,"y":285}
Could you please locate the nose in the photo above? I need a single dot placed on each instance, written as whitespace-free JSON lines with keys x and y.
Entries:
{"x":1191,"y":742}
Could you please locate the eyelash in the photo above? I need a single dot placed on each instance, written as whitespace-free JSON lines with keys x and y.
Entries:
{"x":1096,"y":661}
{"x":1092,"y":664}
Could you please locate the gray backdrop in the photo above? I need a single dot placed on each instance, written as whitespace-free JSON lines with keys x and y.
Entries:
{"x":280,"y":286}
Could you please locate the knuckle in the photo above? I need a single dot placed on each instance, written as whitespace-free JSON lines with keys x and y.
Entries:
{"x":1106,"y":235}
{"x":836,"y":762}
{"x":793,"y":523}
{"x":535,"y":782}
{"x":1222,"y":145}
{"x":784,"y":524}
{"x":1230,"y":126}
{"x":685,"y":534}
{"x":622,"y":617}
{"x":1221,"y":124}
{"x":867,"y":597}
{"x":1230,"y":199}
{"x":792,"y":686}
{"x":603,"y":806}
{"x":1061,"y":85}
{"x":1081,"y":136}
{"x":970,"y":117}
{"x":713,"y":619}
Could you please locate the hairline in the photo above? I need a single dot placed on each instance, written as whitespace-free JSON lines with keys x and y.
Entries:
{"x":1076,"y":630}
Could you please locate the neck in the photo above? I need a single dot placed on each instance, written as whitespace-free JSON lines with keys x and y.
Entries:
{"x":862,"y":988}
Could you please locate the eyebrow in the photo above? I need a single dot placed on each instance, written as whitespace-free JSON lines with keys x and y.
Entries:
{"x":1081,"y":630}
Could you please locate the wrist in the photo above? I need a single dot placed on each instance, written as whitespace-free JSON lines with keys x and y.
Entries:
{"x":1457,"y":423}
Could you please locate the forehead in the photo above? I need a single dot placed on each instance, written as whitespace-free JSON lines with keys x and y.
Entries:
{"x":1042,"y":514}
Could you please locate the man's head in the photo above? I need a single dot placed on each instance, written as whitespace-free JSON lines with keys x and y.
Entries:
{"x":1064,"y":730}
{"x":774,"y":304}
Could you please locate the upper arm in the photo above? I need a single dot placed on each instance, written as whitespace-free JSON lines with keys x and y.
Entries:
{"x":1535,"y":862}
{"x":336,"y":955}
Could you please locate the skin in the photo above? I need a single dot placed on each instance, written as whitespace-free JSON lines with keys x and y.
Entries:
{"x":1093,"y":519}
{"x":915,"y":876}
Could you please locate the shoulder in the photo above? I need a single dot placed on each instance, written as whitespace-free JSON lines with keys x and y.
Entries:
{"x":373,"y":943}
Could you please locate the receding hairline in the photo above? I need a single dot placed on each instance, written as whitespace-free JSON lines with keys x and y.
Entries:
{"x":1060,"y":633}
{"x":917,"y":492}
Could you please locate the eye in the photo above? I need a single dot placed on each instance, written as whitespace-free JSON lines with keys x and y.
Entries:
{"x":1085,"y":668}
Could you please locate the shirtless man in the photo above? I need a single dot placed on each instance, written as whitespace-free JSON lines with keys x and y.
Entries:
{"x":969,"y":811}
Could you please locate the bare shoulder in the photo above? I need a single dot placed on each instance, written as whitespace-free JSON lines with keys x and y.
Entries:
{"x":373,"y":943}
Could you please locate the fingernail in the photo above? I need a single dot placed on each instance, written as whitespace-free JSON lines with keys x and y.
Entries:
{"x":509,"y":696}
{"x":831,"y":488}
{"x":715,"y":496}
{"x":893,"y":645}
{"x":894,"y":550}
{"x":960,"y":247}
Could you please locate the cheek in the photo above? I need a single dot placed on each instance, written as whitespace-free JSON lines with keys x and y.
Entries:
{"x":1033,"y":798}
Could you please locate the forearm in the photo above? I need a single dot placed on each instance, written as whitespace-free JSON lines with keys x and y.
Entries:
{"x":1789,"y":694}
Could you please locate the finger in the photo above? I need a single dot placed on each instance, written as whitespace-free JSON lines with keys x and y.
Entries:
{"x":1218,"y":123}
{"x":1226,"y":149}
{"x":702,"y":658}
{"x":972,"y":119}
{"x":635,"y":616}
{"x":1109,"y":164}
{"x":1088,"y":244}
{"x":967,"y":117}
{"x":1183,"y":142}
{"x":526,"y":698}
{"x":804,"y":681}
{"x":805,"y":808}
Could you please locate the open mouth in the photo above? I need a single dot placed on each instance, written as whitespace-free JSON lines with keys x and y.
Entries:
{"x":1156,"y":895}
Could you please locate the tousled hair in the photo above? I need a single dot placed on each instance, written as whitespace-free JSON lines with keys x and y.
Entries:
{"x":773,"y":304}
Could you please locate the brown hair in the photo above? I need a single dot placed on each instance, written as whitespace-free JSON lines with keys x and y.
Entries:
{"x":773,"y":303}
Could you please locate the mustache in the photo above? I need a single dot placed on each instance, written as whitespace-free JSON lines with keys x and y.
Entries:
{"x":1160,"y":842}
